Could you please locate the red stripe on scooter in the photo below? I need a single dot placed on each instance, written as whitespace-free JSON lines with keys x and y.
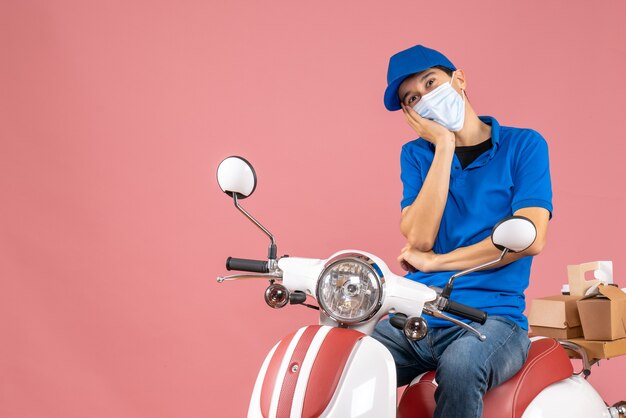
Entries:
{"x":327,"y":369}
{"x":293,"y":372}
{"x":272,"y":373}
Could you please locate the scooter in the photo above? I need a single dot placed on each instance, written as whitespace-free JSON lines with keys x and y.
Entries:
{"x":335,"y":369}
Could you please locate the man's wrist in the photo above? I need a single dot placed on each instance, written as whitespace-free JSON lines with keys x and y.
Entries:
{"x":436,"y":262}
{"x":446,"y":144}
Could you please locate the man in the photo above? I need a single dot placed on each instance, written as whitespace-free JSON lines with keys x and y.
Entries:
{"x":461,"y":176}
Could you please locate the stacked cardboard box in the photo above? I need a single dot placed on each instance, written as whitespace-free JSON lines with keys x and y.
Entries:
{"x":602,"y":349}
{"x":555,"y":317}
{"x":600,"y":316}
{"x":603,"y":314}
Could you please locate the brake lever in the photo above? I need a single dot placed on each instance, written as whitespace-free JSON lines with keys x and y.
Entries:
{"x":432,"y":310}
{"x":270,"y":275}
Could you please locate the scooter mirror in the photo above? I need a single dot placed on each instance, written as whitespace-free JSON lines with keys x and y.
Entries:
{"x":236,"y":175}
{"x":516,"y":233}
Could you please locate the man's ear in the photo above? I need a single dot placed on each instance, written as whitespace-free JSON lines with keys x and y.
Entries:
{"x":459,"y":79}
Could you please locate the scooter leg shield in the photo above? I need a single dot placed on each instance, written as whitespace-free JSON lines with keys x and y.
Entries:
{"x":320,"y":371}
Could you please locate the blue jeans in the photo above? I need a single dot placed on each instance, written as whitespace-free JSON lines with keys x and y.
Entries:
{"x":465,"y":367}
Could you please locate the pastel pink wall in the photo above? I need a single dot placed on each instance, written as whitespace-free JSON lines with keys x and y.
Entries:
{"x":114,"y":115}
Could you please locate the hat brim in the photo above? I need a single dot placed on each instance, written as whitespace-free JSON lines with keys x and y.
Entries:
{"x":392,"y":101}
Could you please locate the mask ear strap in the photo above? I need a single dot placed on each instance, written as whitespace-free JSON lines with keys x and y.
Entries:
{"x":462,"y":90}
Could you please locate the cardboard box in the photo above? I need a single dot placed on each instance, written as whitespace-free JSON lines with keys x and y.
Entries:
{"x":578,"y":285}
{"x":603,"y":314}
{"x":602,"y":349}
{"x":557,"y":333}
{"x":555,"y":317}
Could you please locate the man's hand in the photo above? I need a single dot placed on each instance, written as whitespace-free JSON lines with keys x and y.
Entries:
{"x":411,"y":259}
{"x":427,"y":129}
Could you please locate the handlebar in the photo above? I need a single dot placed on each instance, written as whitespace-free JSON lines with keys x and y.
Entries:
{"x":464,"y":311}
{"x":245,"y":264}
{"x":398,"y":320}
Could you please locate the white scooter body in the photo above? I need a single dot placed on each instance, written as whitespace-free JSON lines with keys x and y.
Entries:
{"x":367,"y":386}
{"x":400,"y":294}
{"x":573,"y":397}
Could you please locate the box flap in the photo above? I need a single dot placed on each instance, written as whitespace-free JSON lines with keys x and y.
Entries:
{"x":612,"y":292}
{"x":609,"y":292}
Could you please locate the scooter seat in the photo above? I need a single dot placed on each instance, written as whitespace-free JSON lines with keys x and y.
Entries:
{"x":547,"y":363}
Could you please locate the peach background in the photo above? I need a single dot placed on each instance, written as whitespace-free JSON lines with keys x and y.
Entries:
{"x":113,"y":118}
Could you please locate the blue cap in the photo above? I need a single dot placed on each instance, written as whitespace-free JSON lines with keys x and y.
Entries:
{"x":407,"y":62}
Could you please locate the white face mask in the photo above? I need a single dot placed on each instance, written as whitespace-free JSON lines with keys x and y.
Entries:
{"x":443,"y":105}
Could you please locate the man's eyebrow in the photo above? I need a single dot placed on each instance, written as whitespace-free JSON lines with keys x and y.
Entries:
{"x":426,"y":75}
{"x":421,"y":79}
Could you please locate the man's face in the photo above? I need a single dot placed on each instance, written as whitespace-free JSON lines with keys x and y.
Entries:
{"x":415,"y":86}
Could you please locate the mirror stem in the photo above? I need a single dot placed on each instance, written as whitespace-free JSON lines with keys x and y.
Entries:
{"x":272,"y":249}
{"x":448,"y":289}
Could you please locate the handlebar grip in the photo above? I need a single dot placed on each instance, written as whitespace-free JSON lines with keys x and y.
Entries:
{"x":465,"y":311}
{"x":398,"y":320}
{"x":245,"y":264}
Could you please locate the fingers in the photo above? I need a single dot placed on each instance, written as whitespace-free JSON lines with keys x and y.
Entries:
{"x":404,"y":264}
{"x":414,"y":119}
{"x":407,"y":267}
{"x":427,"y":129}
{"x":402,"y":261}
{"x":413,"y":114}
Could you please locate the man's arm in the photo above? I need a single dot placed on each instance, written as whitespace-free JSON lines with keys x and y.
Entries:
{"x":481,"y":252}
{"x":421,"y":220}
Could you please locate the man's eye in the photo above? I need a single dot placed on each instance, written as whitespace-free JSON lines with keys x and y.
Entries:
{"x":412,"y":99}
{"x":430,"y":82}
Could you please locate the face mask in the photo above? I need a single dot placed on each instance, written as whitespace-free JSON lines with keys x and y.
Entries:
{"x":444,"y":106}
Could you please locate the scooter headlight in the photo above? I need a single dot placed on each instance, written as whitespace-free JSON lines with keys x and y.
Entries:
{"x":350,"y":289}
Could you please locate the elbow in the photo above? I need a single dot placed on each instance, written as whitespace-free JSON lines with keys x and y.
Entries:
{"x":419,"y":243}
{"x":536,"y":248}
{"x":416,"y":239}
